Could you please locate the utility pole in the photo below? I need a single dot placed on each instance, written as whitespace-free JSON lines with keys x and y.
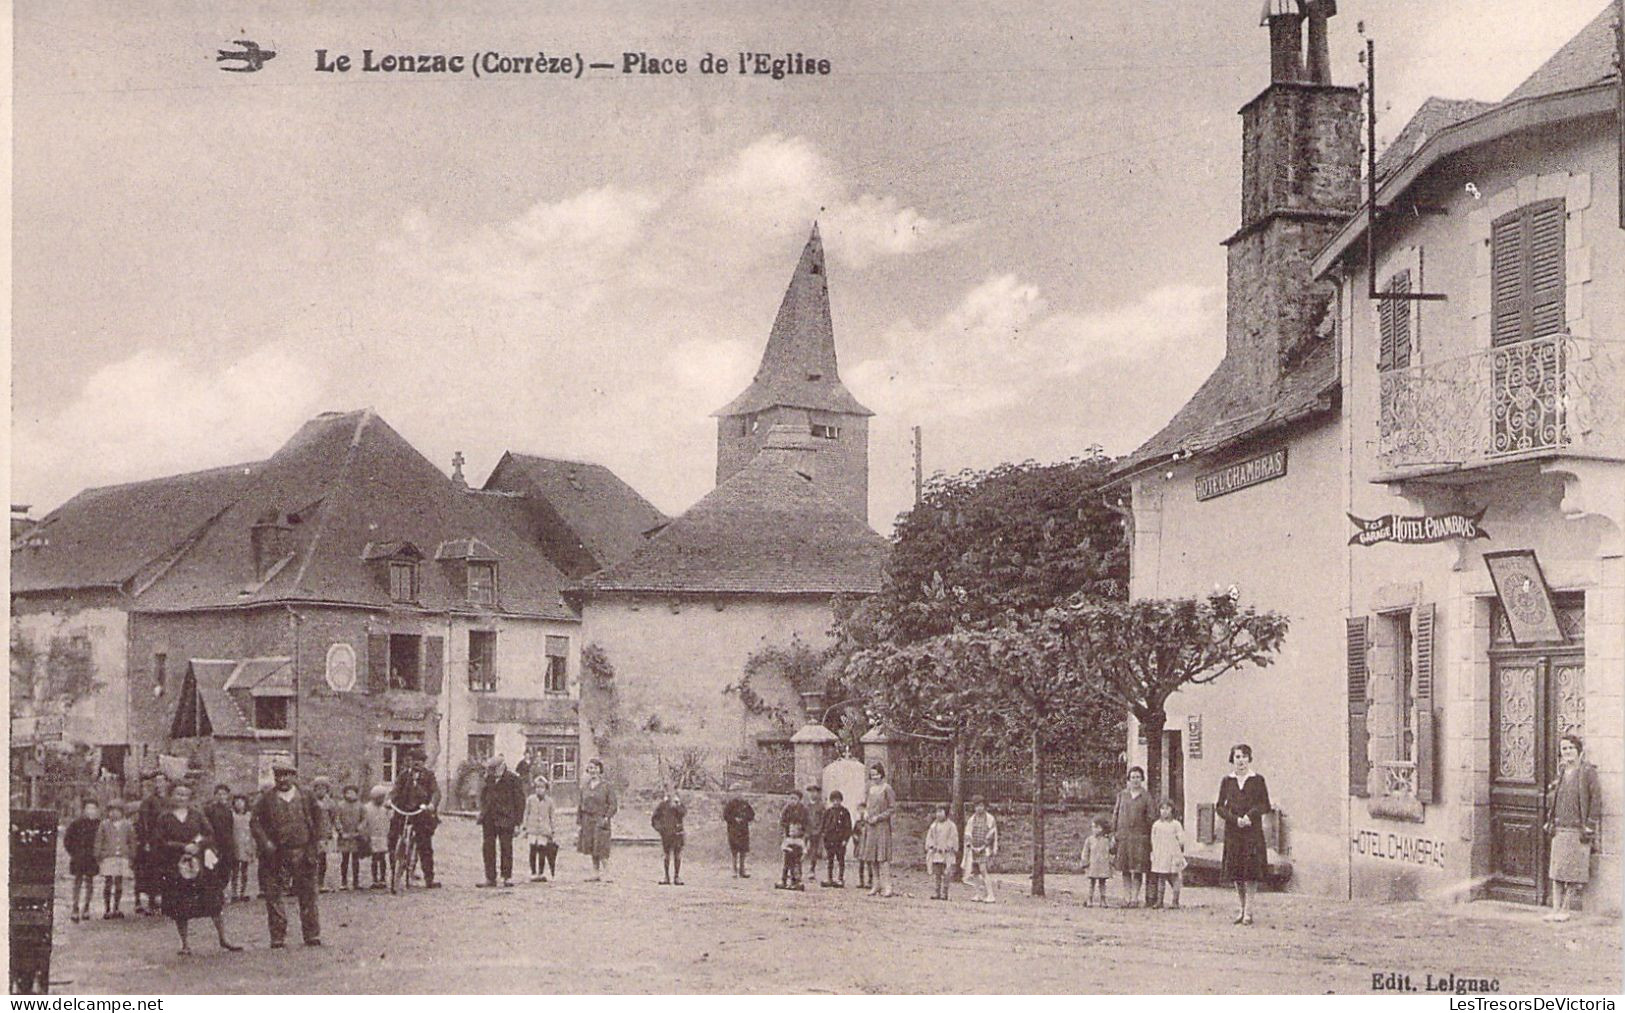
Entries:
{"x":918,"y":473}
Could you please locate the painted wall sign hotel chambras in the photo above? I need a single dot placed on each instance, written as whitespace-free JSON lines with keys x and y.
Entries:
{"x":1417,"y":530}
{"x":1241,"y":474}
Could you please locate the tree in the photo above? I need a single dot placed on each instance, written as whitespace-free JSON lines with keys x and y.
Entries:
{"x":979,"y":547}
{"x":1137,"y":654}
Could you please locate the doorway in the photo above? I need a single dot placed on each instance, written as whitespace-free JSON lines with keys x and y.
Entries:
{"x":1537,"y":695}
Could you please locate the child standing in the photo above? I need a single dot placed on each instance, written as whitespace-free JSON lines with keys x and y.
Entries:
{"x":1097,"y":860}
{"x":375,"y":817}
{"x":668,"y":823}
{"x":80,"y":843}
{"x":242,"y":831}
{"x":1167,"y":855}
{"x":981,"y":844}
{"x":738,"y":814}
{"x":115,"y":842}
{"x":860,"y":830}
{"x":539,"y":830}
{"x":941,"y":848}
{"x":837,"y":831}
{"x":794,"y":847}
{"x":351,"y":828}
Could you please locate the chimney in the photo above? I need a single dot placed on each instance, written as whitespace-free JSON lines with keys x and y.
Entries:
{"x":270,"y":540}
{"x":1320,"y":60}
{"x":1285,"y":23}
{"x":793,"y":446}
{"x":1300,"y":181}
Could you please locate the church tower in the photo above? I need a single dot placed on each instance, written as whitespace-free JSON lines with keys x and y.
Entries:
{"x":798,"y":385}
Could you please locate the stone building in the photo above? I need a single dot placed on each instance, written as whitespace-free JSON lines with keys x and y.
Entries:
{"x":1353,"y":466}
{"x":757,"y":562}
{"x":317,"y":605}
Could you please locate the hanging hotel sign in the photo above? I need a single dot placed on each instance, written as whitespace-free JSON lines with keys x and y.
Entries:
{"x":1417,"y":530}
{"x":1525,"y":597}
{"x":1241,"y":475}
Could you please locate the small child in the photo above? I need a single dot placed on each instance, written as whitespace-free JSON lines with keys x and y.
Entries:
{"x":981,"y":844}
{"x":115,"y":843}
{"x":860,"y":830}
{"x":837,"y":831}
{"x":668,"y":823}
{"x":1167,"y":856}
{"x":539,"y":830}
{"x":941,"y":848}
{"x":242,"y":831}
{"x":1097,"y":860}
{"x":794,"y":847}
{"x":375,"y":818}
{"x":349,"y":823}
{"x":738,"y":814}
{"x":80,"y":843}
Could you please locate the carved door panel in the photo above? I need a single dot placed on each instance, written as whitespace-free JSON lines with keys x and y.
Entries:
{"x":1534,"y":700}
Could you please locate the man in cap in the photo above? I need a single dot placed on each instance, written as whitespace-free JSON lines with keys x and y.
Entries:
{"x":502,"y":808}
{"x":415,"y":791}
{"x":287,"y":829}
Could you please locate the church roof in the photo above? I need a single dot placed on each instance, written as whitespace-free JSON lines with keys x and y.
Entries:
{"x":768,"y":529}
{"x":798,"y":368}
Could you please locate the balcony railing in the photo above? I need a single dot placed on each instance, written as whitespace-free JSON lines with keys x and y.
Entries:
{"x":1552,"y":396}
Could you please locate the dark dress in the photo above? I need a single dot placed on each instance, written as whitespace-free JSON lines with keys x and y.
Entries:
{"x":1131,"y":829}
{"x":201,"y":896}
{"x":1245,"y":854}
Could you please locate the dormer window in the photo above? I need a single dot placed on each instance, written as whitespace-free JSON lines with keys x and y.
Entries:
{"x":482,"y":583}
{"x":403,"y":580}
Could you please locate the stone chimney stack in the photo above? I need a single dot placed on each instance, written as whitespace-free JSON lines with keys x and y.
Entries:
{"x":1300,"y":180}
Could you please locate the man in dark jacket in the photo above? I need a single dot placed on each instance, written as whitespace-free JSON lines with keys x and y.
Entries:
{"x":286,"y":826}
{"x":502,"y":808}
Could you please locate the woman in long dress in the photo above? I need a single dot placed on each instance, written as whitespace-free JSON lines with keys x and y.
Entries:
{"x":1131,"y":833}
{"x":1572,"y":826}
{"x":1244,"y":798}
{"x":593,"y":815}
{"x":187,"y":862}
{"x":880,"y":802}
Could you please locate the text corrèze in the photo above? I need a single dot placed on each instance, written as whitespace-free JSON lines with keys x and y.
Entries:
{"x":491,"y":63}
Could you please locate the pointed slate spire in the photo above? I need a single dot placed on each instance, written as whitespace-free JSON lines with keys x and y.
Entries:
{"x":798,"y":367}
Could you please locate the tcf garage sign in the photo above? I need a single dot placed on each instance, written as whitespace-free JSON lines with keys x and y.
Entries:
{"x":1241,"y":475}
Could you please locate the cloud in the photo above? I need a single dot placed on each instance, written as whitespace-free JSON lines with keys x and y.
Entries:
{"x":155,"y":413}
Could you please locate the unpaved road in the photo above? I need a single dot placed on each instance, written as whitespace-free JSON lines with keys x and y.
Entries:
{"x":718,"y":934}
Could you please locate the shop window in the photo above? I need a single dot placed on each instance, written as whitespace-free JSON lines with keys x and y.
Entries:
{"x":482,"y":657}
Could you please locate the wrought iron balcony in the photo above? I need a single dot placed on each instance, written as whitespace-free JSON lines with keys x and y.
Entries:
{"x":1557,"y":396}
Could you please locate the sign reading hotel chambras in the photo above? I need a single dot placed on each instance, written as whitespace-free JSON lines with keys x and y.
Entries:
{"x":1241,"y":475}
{"x":1417,"y":530}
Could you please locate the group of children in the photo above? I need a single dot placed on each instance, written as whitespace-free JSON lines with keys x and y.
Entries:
{"x":1167,"y":861}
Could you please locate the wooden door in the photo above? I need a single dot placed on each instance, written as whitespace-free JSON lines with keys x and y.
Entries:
{"x":1535,"y":698}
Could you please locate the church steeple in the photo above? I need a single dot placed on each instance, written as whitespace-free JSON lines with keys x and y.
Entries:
{"x":799,"y":384}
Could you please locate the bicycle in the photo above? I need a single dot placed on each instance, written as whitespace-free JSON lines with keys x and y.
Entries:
{"x":403,"y":857}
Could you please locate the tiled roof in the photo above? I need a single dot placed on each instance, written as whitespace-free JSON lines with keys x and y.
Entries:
{"x":581,"y":515}
{"x":106,"y":536}
{"x":343,"y":483}
{"x":766,"y":530}
{"x":798,"y":367}
{"x":1226,"y":408}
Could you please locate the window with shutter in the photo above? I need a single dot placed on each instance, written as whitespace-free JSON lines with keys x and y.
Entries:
{"x":1527,"y":273}
{"x":1394,"y":325}
{"x":1426,"y":735}
{"x":1359,"y":752}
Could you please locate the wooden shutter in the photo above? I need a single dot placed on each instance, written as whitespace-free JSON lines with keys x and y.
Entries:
{"x":1527,"y":273}
{"x":377,"y":662}
{"x":1359,"y":746}
{"x":1394,"y":325}
{"x":433,"y":664}
{"x":1427,"y":757}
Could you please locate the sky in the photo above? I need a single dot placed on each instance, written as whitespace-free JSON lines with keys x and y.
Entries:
{"x":1022,"y":206}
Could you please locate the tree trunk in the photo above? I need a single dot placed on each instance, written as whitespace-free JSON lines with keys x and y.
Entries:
{"x":1152,"y":724}
{"x":956,"y":796}
{"x":1038,"y":816}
